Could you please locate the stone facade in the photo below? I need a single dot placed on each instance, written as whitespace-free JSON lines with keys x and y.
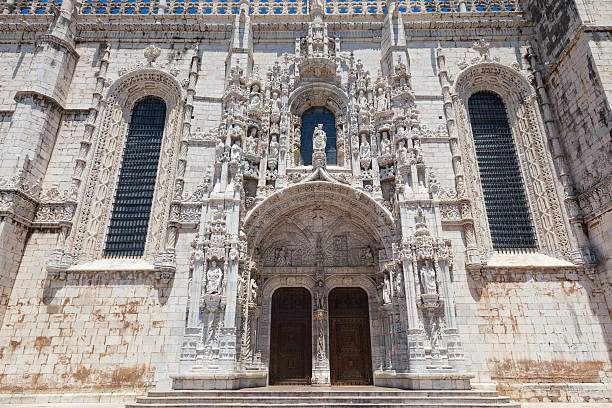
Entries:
{"x":235,"y":217}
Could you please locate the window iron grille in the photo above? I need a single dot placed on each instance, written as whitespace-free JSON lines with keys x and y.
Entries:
{"x":129,"y":222}
{"x":500,"y":175}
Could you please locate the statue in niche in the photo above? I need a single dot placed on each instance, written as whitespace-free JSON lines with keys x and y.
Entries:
{"x":254,"y":291}
{"x":240,"y":289}
{"x":214,"y":276}
{"x":381,"y":102}
{"x":418,"y":150}
{"x":364,"y":149}
{"x":219,"y":151}
{"x":236,"y":132}
{"x":319,"y":138}
{"x":274,"y":147}
{"x":355,"y":142}
{"x":399,"y":282}
{"x":255,"y":98}
{"x":402,"y":153}
{"x":386,"y":291}
{"x":401,"y":133}
{"x":385,"y":143}
{"x":363,"y":101}
{"x":236,"y":152}
{"x":275,"y":104}
{"x":251,"y":142}
{"x":281,"y":257}
{"x":428,"y":278}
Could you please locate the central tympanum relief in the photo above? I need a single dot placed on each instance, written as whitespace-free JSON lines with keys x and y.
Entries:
{"x":327,"y":232}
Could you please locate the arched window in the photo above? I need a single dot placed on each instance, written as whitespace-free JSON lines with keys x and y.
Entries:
{"x":502,"y":184}
{"x":310,"y":119}
{"x":127,"y":231}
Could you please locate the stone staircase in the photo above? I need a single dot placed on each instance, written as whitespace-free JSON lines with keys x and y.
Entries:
{"x":319,"y":398}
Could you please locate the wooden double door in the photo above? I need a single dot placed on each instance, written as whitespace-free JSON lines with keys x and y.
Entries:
{"x":349,"y":337}
{"x":291,"y":337}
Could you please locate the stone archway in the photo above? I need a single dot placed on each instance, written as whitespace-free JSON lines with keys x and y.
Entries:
{"x":318,"y":235}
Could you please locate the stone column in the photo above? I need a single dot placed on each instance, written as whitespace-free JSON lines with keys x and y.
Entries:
{"x":415,"y":333}
{"x":320,"y":366}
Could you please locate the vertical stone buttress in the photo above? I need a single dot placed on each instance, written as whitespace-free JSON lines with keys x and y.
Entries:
{"x":31,"y":137}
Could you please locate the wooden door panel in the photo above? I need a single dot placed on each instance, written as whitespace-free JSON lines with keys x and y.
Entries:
{"x":290,"y":341}
{"x":351,"y":360}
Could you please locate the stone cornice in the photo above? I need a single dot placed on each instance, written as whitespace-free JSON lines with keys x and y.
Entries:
{"x":218,"y":27}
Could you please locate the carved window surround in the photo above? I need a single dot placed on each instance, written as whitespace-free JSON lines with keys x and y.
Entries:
{"x":547,"y":212}
{"x":95,"y":210}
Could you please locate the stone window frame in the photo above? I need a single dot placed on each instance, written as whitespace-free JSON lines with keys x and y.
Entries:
{"x":542,"y":188}
{"x":95,"y":208}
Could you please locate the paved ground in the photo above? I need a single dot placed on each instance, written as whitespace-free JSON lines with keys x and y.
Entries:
{"x":87,"y":405}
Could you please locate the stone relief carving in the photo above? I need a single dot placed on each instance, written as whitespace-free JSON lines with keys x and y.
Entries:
{"x":214,"y":278}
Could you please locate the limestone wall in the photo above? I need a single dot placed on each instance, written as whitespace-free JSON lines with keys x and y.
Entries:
{"x":104,"y":331}
{"x":15,"y":65}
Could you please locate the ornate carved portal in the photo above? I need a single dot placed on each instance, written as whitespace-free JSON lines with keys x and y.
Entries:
{"x":349,"y":337}
{"x":290,"y":342}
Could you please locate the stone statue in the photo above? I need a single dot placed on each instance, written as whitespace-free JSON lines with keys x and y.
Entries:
{"x":399,"y":283}
{"x":364,"y":149}
{"x":319,"y":138}
{"x":274,"y":147}
{"x":428,"y":278}
{"x":386,"y":291}
{"x":355,"y":143}
{"x":418,"y":150}
{"x":251,"y":143}
{"x":381,"y":102}
{"x":255,"y":98}
{"x":236,"y":151}
{"x":253,"y":291}
{"x":275,"y":104}
{"x":385,"y":143}
{"x":402,"y":153}
{"x":281,"y":257}
{"x":363,"y":101}
{"x":214,"y":277}
{"x":240,"y":288}
{"x":219,"y":151}
{"x":401,"y":133}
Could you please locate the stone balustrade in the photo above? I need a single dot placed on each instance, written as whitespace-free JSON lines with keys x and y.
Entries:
{"x":259,"y":7}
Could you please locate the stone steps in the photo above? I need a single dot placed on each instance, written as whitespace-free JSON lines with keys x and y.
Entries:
{"x":317,"y":398}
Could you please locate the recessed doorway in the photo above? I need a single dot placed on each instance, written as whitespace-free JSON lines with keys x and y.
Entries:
{"x":349,"y":337}
{"x":291,"y":337}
